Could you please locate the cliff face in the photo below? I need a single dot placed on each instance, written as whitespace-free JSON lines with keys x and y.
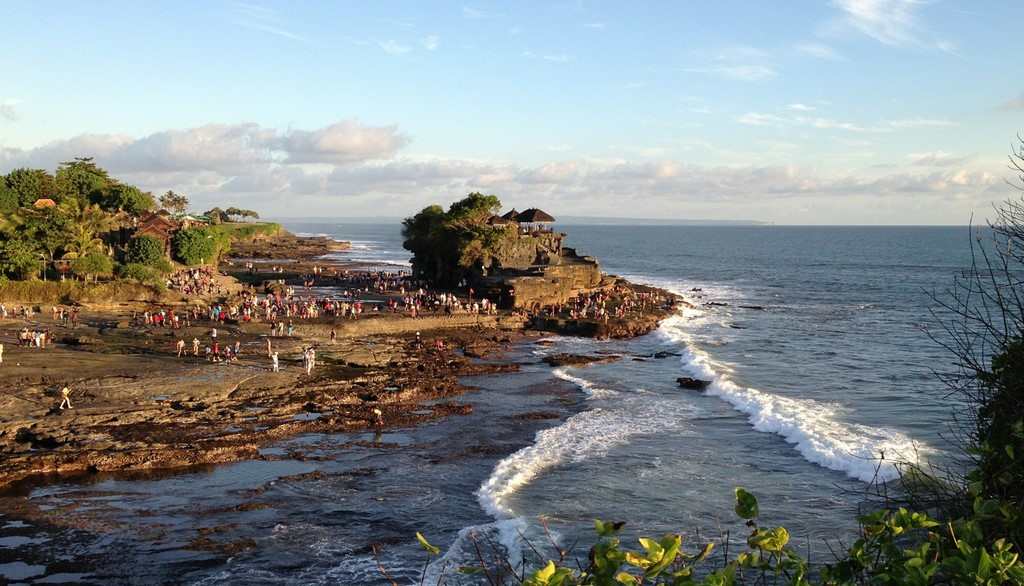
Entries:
{"x":525,"y":251}
{"x":553,"y":284}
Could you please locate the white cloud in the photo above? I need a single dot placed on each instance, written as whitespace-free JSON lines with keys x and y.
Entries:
{"x":891,"y":22}
{"x":474,"y":13}
{"x":392,"y":47}
{"x":353,"y":168}
{"x":736,"y":62}
{"x":759,"y":119}
{"x":738,"y":72}
{"x":431,"y":42}
{"x":829,"y":124}
{"x":9,"y":109}
{"x":818,"y":50}
{"x":1013,"y":104}
{"x":922,"y":123}
{"x":798,"y":107}
{"x":225,"y":149}
{"x":263,"y":19}
{"x":936,"y":159}
{"x":557,"y":58}
{"x":888,"y":21}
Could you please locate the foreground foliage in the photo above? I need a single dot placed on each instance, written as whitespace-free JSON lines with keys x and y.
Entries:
{"x":895,"y":546}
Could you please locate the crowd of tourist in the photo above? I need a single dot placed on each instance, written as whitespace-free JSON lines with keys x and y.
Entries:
{"x":195,"y":282}
{"x":618,"y":302}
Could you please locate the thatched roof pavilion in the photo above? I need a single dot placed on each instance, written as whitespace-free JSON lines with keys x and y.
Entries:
{"x":499,"y":221}
{"x":535,"y":216}
{"x":511,"y":216}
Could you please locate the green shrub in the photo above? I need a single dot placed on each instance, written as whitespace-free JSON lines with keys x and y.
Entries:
{"x":141,"y":273}
{"x":19,"y":258}
{"x":94,"y":264}
{"x":197,"y":246}
{"x":71,"y":291}
{"x":145,"y":250}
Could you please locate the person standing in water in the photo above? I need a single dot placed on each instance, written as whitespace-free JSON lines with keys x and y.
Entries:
{"x":274,"y":367}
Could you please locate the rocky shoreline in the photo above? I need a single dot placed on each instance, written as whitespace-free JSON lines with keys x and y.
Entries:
{"x":138,"y":406}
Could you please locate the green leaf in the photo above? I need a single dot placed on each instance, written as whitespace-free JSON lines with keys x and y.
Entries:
{"x":470,"y":570}
{"x":769,"y":539}
{"x":746,"y":504}
{"x":426,"y":544}
{"x":669,"y":547}
{"x":626,"y":579}
{"x":704,"y":553}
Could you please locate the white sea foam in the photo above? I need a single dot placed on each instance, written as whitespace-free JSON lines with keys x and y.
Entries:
{"x":592,"y":391}
{"x":860,"y":451}
{"x":583,"y":436}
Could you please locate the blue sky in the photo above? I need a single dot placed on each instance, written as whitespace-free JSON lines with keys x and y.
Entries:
{"x":844,"y":111}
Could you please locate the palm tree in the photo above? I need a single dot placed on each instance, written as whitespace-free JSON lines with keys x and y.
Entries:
{"x":86,"y":223}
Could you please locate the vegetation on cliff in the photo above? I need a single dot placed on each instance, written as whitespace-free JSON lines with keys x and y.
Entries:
{"x":449,"y":246}
{"x":81,"y":221}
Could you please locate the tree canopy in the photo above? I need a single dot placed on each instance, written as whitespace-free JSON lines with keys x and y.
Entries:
{"x":174,"y":202}
{"x":127,"y":198}
{"x":82,"y":179}
{"x":31,"y":185}
{"x":448,"y":246}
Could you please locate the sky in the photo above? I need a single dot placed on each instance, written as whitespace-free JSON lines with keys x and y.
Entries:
{"x":792,"y":112}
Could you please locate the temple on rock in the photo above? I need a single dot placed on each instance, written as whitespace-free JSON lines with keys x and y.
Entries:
{"x":531,"y":268}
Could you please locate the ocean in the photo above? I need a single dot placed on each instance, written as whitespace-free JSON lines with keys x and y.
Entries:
{"x":822,"y":376}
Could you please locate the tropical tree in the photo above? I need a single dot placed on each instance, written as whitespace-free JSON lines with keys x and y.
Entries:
{"x":174,"y":202}
{"x":82,"y":179}
{"x":85,"y":225}
{"x":93,"y":264}
{"x":127,"y":198}
{"x":240,"y":213}
{"x":48,"y":229}
{"x":196,"y":246}
{"x":145,"y":250}
{"x":8,"y":198}
{"x":19,"y":258}
{"x":217,"y":216}
{"x":449,"y":245}
{"x":31,"y":185}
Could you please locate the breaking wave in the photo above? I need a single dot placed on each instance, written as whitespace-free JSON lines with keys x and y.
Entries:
{"x":860,"y":451}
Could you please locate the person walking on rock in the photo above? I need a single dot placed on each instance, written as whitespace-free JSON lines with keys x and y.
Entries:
{"x":274,"y":366}
{"x":65,"y":394}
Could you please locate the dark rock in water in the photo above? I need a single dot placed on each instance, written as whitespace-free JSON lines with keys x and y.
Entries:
{"x":638,"y":359}
{"x":737,"y":327}
{"x":756,"y":307}
{"x":693,"y":384}
{"x":716,"y":304}
{"x":80,"y":340}
{"x":576,"y":359}
{"x":664,"y":354}
{"x":696,"y":289}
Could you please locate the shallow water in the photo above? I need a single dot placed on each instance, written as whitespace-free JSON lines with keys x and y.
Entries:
{"x":818,"y":369}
